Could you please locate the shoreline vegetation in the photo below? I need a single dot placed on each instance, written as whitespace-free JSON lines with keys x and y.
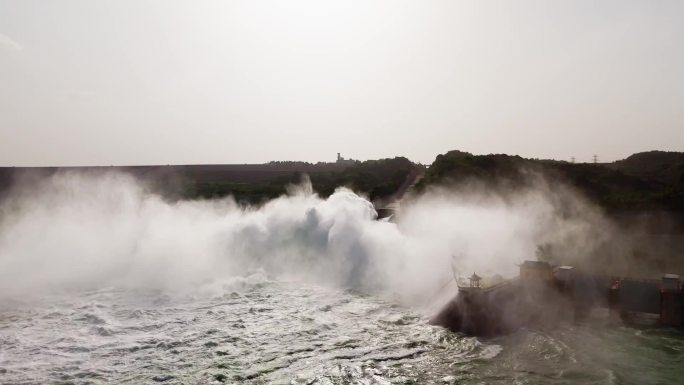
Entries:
{"x":646,"y":187}
{"x":248,"y":184}
{"x":642,"y":194}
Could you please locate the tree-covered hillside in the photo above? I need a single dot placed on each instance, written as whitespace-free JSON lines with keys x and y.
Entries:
{"x":247,"y":183}
{"x":661,"y":166}
{"x":374,"y":178}
{"x":651,"y":181}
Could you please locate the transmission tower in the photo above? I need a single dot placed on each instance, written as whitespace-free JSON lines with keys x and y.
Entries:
{"x":595,"y":157}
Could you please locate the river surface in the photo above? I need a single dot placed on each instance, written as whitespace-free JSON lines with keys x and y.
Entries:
{"x":260,"y":331}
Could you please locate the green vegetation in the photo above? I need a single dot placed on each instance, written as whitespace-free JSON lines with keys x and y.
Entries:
{"x":661,"y":166}
{"x":374,"y":178}
{"x":651,"y":181}
{"x":644,"y":182}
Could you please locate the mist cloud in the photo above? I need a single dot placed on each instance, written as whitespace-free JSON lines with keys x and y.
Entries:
{"x":8,"y":43}
{"x":75,"y":231}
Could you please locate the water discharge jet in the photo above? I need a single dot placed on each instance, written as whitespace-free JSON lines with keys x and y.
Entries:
{"x":261,"y":293}
{"x":80,"y":231}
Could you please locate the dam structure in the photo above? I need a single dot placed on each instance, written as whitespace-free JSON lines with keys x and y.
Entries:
{"x":544,"y":295}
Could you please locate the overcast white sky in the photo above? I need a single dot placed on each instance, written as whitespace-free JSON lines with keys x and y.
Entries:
{"x":173,"y":82}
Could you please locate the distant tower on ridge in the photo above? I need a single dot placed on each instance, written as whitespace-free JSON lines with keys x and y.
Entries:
{"x":595,"y":157}
{"x":341,"y":160}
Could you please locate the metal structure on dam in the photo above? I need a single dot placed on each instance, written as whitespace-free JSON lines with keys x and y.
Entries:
{"x":544,"y":295}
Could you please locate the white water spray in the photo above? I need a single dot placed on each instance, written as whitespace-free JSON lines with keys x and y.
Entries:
{"x":73,"y":232}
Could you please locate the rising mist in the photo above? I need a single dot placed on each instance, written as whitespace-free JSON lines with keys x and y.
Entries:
{"x":75,"y":231}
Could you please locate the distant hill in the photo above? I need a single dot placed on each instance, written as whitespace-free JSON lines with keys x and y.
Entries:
{"x":642,"y":194}
{"x":644,"y":182}
{"x":375,"y":178}
{"x":249,"y":183}
{"x":661,"y":166}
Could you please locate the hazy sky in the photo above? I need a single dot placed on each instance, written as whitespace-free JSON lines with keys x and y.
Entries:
{"x":167,"y":82}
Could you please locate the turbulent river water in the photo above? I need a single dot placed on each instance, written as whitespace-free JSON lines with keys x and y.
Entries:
{"x":260,"y":331}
